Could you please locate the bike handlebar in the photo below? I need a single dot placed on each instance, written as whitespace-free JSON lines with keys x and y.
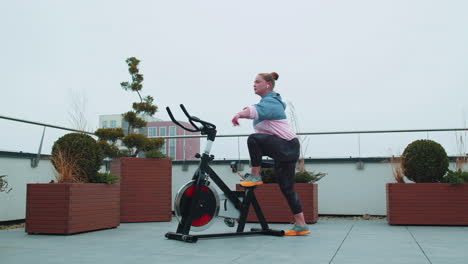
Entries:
{"x":192,"y":119}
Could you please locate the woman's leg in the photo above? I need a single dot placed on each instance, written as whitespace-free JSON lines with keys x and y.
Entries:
{"x":274,"y":147}
{"x":285,"y":153}
{"x":254,"y":143}
{"x":299,"y":219}
{"x":285,"y":173}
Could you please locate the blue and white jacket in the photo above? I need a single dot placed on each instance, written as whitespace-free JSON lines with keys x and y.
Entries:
{"x":270,"y":117}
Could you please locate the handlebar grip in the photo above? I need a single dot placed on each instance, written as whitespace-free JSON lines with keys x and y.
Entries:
{"x":196,"y":119}
{"x":188,"y":116}
{"x":177,"y":123}
{"x":191,"y":119}
{"x":170,"y":114}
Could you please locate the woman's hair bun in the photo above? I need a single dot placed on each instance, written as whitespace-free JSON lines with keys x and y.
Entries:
{"x":275,"y":75}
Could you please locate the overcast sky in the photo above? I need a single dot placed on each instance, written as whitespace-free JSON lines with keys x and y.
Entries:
{"x":345,"y":65}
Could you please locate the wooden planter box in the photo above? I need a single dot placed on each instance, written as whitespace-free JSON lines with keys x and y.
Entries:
{"x":68,"y":208}
{"x":145,"y":189}
{"x":275,"y":207}
{"x":427,"y":204}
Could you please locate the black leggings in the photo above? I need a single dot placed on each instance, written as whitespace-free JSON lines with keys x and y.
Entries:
{"x":285,"y":154}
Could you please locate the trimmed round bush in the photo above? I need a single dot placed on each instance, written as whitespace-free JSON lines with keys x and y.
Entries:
{"x":83,"y":151}
{"x":424,"y":161}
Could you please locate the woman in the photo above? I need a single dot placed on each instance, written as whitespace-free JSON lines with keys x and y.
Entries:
{"x":274,"y":138}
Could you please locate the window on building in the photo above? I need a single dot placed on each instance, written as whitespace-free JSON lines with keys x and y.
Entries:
{"x":152,"y":132}
{"x":113,"y":124}
{"x":162,"y":133}
{"x":172,"y":142}
{"x":104,"y":124}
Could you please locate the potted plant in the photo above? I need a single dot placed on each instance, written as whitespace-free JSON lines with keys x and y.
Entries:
{"x":82,"y":199}
{"x":434,"y":197}
{"x":275,"y":207}
{"x":145,"y":182}
{"x":456,"y":177}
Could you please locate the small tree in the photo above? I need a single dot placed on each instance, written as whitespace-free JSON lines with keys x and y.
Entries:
{"x":302,"y":175}
{"x":108,"y":139}
{"x":459,"y":175}
{"x":145,"y":105}
{"x":77,"y":113}
{"x":135,"y":142}
{"x":303,"y":140}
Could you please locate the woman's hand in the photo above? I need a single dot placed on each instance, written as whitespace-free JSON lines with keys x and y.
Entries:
{"x":235,"y":120}
{"x":245,"y":113}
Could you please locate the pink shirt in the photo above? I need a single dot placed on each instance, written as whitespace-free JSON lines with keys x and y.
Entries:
{"x":279,"y":128}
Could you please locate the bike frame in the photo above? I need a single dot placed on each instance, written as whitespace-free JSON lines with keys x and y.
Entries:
{"x":201,"y":177}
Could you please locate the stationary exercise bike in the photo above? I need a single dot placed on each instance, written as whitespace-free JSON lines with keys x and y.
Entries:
{"x":197,"y":203}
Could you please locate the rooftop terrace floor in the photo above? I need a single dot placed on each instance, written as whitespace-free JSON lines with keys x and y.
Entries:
{"x":331,"y":241}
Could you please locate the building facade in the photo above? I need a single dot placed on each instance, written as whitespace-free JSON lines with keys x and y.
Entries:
{"x":177,"y":149}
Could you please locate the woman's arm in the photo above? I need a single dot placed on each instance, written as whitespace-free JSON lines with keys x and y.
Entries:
{"x":245,"y":113}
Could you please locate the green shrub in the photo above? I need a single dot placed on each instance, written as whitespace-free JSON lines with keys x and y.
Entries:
{"x":153,"y":144}
{"x":135,"y":141}
{"x":155,"y":154}
{"x":308,"y":176}
{"x":110,"y":134}
{"x":464,"y":176}
{"x":81,"y":150}
{"x":125,"y":153}
{"x":456,"y":177}
{"x":109,"y":150}
{"x":269,"y":176}
{"x":107,"y":178}
{"x":424,"y":161}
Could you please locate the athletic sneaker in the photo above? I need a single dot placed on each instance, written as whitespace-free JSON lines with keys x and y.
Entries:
{"x":251,"y":180}
{"x":298,"y":230}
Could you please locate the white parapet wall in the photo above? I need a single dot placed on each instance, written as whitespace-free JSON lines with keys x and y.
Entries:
{"x":345,"y":190}
{"x":19,"y":173}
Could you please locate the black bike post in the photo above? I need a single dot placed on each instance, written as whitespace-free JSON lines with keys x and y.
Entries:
{"x":245,"y":208}
{"x":259,"y":213}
